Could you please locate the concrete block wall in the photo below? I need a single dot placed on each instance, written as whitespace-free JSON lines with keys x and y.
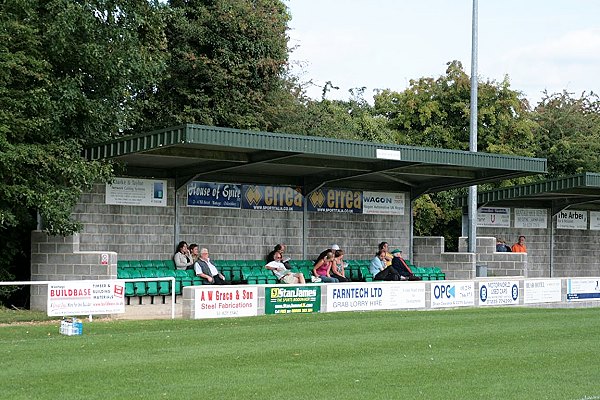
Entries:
{"x":58,"y":258}
{"x":576,"y":253}
{"x":572,"y":252}
{"x":498,"y":264}
{"x":134,"y":232}
{"x":429,"y":251}
{"x":536,"y":240}
{"x":358,"y":234}
{"x":140,"y":232}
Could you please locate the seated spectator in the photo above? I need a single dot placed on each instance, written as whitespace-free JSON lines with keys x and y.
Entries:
{"x":278,"y":248}
{"x":194,"y":252}
{"x":207,"y":270}
{"x":322,"y":268}
{"x":338,"y":266}
{"x":388,"y":257}
{"x":182,"y":257}
{"x":283,"y":274}
{"x":380,"y":271}
{"x":402,"y":267}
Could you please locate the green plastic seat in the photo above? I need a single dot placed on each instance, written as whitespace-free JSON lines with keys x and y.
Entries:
{"x":140,"y":287}
{"x":169,"y":264}
{"x":164,"y":287}
{"x":158,"y":264}
{"x":146,"y":264}
{"x":122,"y":264}
{"x":172,"y":274}
{"x":183,"y":278}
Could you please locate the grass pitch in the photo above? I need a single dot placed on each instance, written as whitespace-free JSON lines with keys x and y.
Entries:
{"x":497,"y":353}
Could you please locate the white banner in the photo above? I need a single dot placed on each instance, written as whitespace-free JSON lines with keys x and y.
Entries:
{"x":454,"y":294}
{"x":531,"y":218}
{"x":86,"y":297}
{"x":137,"y":192}
{"x":541,"y":291}
{"x":493,"y":217}
{"x":594,"y":220}
{"x":583,"y":289}
{"x":376,"y":296}
{"x":383,"y":203}
{"x":498,"y":293}
{"x":571,"y":219}
{"x":225,"y":301}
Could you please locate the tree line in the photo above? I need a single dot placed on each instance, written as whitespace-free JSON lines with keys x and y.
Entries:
{"x":74,"y":73}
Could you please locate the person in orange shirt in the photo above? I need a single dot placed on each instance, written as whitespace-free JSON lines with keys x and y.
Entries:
{"x":520,"y":247}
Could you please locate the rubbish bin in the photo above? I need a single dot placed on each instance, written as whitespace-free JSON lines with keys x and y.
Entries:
{"x":481,"y":270}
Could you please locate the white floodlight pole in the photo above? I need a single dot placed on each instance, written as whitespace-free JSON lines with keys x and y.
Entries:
{"x":473,"y":134}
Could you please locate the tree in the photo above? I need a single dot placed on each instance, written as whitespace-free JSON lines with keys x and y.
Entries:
{"x":569,"y":132}
{"x":436,"y":113}
{"x":70,"y":73}
{"x":226,"y":58}
{"x":350,"y":119}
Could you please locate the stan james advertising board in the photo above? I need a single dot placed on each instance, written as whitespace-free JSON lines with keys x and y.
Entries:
{"x":292,"y":299}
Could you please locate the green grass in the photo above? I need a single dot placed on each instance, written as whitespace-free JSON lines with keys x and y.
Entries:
{"x":498,"y":353}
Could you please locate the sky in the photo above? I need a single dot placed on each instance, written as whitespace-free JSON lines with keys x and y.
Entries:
{"x":551,"y":45}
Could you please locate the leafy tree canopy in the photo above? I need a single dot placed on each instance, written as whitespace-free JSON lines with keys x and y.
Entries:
{"x":569,"y":132}
{"x":226,"y":58}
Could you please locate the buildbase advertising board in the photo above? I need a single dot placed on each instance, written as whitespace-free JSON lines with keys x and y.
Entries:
{"x":375,"y":296}
{"x":225,"y":301}
{"x":85,"y":297}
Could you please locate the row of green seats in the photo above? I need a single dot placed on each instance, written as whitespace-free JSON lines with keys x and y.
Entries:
{"x":235,"y":271}
{"x":146,"y":264}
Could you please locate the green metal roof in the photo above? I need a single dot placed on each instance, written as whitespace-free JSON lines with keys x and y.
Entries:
{"x":197,"y":152}
{"x":581,"y":190}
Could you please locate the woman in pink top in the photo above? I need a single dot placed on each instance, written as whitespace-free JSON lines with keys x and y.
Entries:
{"x":322,"y":268}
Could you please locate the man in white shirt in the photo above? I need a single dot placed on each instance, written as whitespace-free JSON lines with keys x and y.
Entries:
{"x":207,"y":270}
{"x":283,"y":274}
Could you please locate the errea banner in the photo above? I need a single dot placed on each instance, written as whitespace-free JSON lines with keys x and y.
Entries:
{"x":335,"y":200}
{"x":85,"y":297}
{"x":383,"y":203}
{"x":273,"y":198}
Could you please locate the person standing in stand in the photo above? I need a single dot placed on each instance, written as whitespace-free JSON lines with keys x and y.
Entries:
{"x":520,"y":247}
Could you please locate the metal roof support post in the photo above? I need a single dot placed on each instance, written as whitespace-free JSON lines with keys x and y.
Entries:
{"x":552,"y":217}
{"x":472,"y":243}
{"x":304,"y":227}
{"x":176,"y":218}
